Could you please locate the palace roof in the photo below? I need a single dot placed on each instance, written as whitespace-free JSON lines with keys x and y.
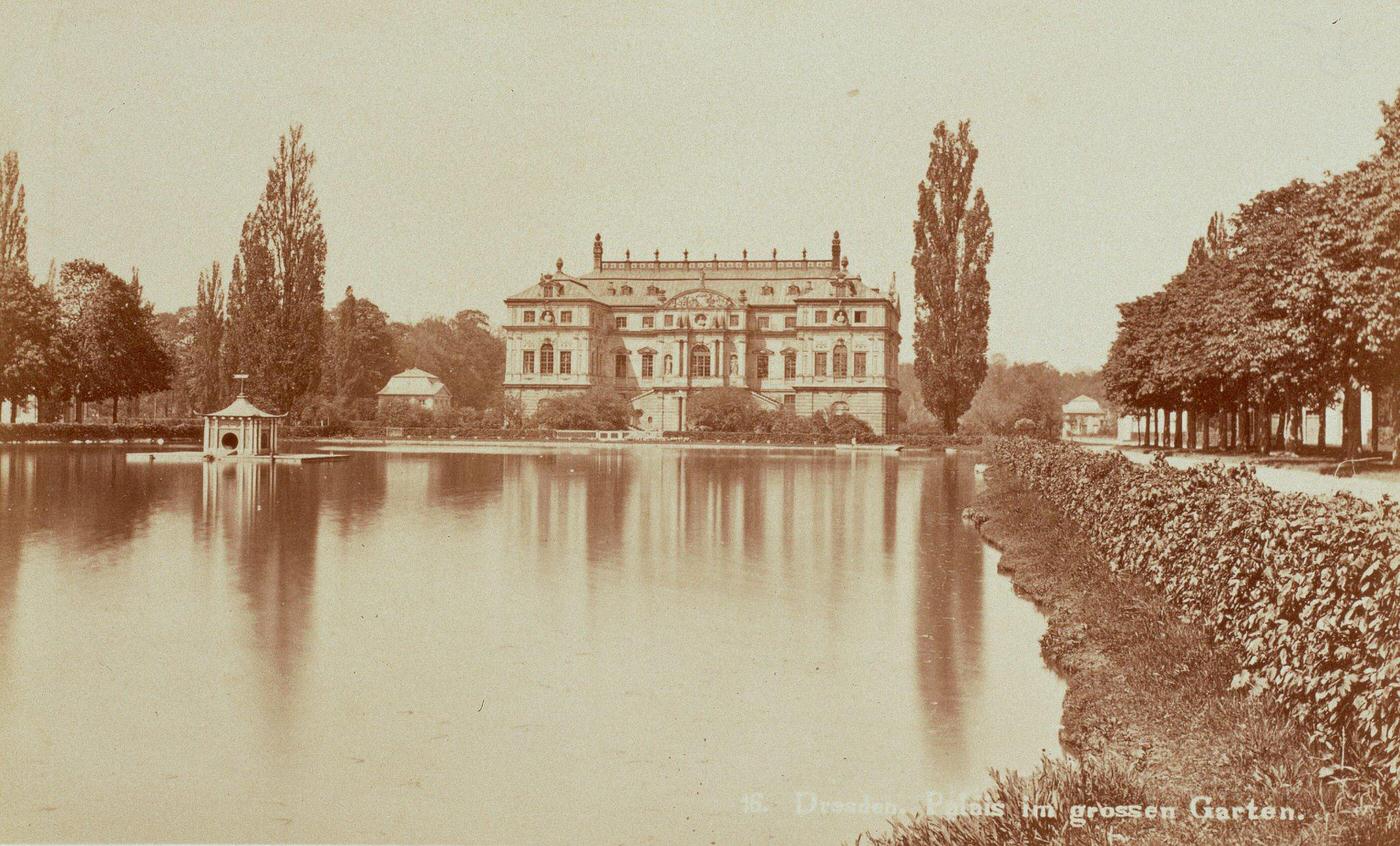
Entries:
{"x":1082,"y":404}
{"x":654,"y":282}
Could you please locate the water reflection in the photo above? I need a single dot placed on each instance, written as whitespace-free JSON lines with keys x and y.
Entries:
{"x":474,"y":646}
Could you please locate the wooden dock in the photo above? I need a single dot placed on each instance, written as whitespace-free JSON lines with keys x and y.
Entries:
{"x":183,"y":457}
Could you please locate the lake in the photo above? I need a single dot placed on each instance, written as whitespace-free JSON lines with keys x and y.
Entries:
{"x":524,"y":645}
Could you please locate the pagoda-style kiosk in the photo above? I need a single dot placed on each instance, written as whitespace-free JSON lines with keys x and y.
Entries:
{"x":242,"y":430}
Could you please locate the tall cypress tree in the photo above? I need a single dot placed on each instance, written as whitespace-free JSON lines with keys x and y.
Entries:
{"x":277,"y":296}
{"x":952,"y":246}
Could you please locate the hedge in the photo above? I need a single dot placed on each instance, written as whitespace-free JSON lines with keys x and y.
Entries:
{"x":69,"y":432}
{"x":1306,"y":587}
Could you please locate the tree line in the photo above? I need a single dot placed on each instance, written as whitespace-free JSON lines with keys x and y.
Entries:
{"x":88,"y":335}
{"x":1288,"y":303}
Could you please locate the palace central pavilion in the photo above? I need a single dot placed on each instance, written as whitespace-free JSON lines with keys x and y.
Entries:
{"x":798,"y":333}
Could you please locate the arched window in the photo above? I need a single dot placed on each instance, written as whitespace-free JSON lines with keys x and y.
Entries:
{"x":733,"y":365}
{"x":546,"y":358}
{"x":700,"y":360}
{"x":838,"y":361}
{"x":839,"y":407}
{"x":666,"y":365}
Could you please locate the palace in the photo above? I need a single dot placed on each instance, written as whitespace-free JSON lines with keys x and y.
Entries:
{"x":798,"y":333}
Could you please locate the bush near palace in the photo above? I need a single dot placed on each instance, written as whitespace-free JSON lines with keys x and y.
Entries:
{"x":1308,"y":588}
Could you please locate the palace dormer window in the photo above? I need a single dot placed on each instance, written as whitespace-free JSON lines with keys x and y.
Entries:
{"x":767,"y":290}
{"x":793,"y":290}
{"x":626,"y":290}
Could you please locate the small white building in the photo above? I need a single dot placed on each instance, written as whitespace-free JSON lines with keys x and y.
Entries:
{"x":417,"y":387}
{"x":1083,"y":416}
{"x":241,"y":430}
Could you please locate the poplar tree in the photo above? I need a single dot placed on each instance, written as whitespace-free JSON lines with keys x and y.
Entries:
{"x":952,"y":246}
{"x":207,"y":384}
{"x":277,"y":293}
{"x":28,"y":315}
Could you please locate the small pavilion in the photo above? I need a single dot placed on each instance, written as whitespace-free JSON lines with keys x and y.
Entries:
{"x":241,"y":430}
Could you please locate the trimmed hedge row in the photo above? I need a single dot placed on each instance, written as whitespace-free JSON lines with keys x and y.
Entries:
{"x":69,"y":432}
{"x":1307,"y":587}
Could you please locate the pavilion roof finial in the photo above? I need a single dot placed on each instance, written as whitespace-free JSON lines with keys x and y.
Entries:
{"x":242,"y":380}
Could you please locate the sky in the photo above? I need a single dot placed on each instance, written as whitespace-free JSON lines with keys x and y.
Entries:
{"x":462,"y":148}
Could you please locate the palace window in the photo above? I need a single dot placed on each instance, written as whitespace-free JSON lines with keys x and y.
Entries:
{"x":620,"y":365}
{"x":858,"y":364}
{"x":566,"y":316}
{"x":670,"y":320}
{"x":793,"y":290}
{"x":790,"y":321}
{"x":790,"y":402}
{"x":648,"y":364}
{"x":648,"y":321}
{"x":566,"y":362}
{"x":700,"y":360}
{"x":790,"y":366}
{"x":819,"y":316}
{"x":819,"y":364}
{"x":528,"y":362}
{"x":768,"y":290}
{"x":626,"y":290}
{"x":666,"y":365}
{"x":763,"y":322}
{"x":838,"y":361}
{"x":857,"y":317}
{"x":761,"y":365}
{"x":733,"y":320}
{"x":546,"y":358}
{"x":620,"y":321}
{"x":528,"y":317}
{"x":733,"y":365}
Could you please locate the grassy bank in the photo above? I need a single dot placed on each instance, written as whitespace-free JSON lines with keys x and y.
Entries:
{"x":1149,"y":717}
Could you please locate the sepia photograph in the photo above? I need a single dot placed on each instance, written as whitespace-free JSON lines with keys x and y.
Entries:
{"x":700,"y":423}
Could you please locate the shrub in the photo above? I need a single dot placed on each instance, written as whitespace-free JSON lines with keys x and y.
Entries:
{"x":723,"y":410}
{"x":595,"y":408}
{"x":1307,"y":588}
{"x":192,"y":430}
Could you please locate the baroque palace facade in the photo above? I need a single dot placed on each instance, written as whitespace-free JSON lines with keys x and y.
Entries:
{"x":798,"y":333}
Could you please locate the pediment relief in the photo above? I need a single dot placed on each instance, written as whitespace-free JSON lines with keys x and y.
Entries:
{"x":699,"y":298}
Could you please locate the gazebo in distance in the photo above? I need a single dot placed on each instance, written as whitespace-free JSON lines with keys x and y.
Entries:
{"x":242,"y":430}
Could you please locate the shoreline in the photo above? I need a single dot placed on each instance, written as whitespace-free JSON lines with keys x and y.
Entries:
{"x":1148,"y":716}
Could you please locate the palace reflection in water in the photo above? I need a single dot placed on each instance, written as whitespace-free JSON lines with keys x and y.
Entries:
{"x":478,"y":646}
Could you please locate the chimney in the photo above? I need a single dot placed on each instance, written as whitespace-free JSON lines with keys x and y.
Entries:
{"x":836,"y":251}
{"x":598,"y":251}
